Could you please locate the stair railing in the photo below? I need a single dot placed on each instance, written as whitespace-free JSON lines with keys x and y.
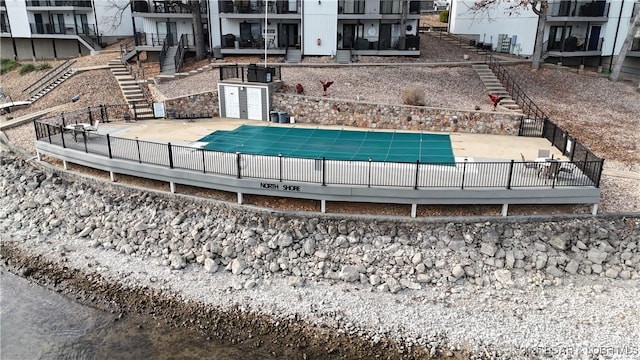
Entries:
{"x":163,"y":53}
{"x":179,"y":56}
{"x":48,"y":77}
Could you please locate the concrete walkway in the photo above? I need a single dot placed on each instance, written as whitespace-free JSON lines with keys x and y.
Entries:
{"x":6,"y":124}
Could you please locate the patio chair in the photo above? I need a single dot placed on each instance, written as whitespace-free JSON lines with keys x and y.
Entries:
{"x":528,"y":164}
{"x":551,"y":171}
{"x":77,"y":129}
{"x":93,"y":127}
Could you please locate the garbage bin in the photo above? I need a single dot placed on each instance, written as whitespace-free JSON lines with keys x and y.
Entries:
{"x":273,"y":116}
{"x":283,"y":117}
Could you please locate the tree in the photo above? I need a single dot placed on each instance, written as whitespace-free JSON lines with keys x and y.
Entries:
{"x":515,"y":6}
{"x":634,"y":28}
{"x":193,"y":6}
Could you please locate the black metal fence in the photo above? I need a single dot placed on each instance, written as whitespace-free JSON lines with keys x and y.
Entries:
{"x":89,"y":115}
{"x":251,"y":73}
{"x":416,"y":175}
{"x":537,"y":123}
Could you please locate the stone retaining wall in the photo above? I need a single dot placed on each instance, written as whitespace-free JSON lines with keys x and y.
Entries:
{"x":380,"y":254}
{"x":307,"y":109}
{"x":193,"y":106}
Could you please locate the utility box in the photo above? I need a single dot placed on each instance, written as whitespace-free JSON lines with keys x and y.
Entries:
{"x":504,"y":43}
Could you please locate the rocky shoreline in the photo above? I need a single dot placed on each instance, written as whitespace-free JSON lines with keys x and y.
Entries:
{"x":329,"y":286}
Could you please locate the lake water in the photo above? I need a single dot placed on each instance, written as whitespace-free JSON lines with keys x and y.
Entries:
{"x":37,"y":323}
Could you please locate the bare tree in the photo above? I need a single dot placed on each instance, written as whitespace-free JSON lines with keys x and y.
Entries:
{"x":516,"y":6}
{"x":193,"y":6}
{"x":634,"y":28}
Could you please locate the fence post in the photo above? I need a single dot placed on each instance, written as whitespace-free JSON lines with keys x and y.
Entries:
{"x":573,"y":148}
{"x":62,"y":117}
{"x":564,"y":147}
{"x":600,"y":173}
{"x":510,"y":175}
{"x":109,"y":146}
{"x":35,"y":128}
{"x":324,"y":172}
{"x":369,"y":181}
{"x":84,"y":139}
{"x":62,"y":136}
{"x":415,"y":184}
{"x":170,"y":156}
{"x":90,"y":115}
{"x":280,"y":166}
{"x":138,"y":146}
{"x":464,"y":171}
{"x":238,"y":165}
{"x":49,"y":133}
{"x":102,"y":118}
{"x":135,"y":112}
{"x":204,"y":164}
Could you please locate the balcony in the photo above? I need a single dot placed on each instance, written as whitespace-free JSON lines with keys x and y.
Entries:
{"x":62,"y":29}
{"x":351,"y":7}
{"x":388,"y":7}
{"x":578,"y":11}
{"x":163,"y":7}
{"x":574,"y":46}
{"x":60,"y":3}
{"x":5,"y":28}
{"x":227,"y":8}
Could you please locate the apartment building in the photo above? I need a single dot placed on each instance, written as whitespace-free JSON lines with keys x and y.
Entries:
{"x":577,"y":32}
{"x":49,"y":29}
{"x":291,"y":28}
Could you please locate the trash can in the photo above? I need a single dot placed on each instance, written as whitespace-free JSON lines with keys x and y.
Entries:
{"x":283,"y":117}
{"x":273,"y":116}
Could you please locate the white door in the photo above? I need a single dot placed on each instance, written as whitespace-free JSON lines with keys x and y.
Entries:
{"x":254,"y":103}
{"x":231,"y":102}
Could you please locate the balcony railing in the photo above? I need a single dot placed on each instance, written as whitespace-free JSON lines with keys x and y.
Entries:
{"x":63,"y":29}
{"x":351,"y":7}
{"x":5,"y":28}
{"x":578,"y":9}
{"x":74,"y":3}
{"x":573,"y":44}
{"x":395,"y":7}
{"x":247,"y":7}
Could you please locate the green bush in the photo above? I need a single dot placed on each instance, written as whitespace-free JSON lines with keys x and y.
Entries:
{"x":444,"y":16}
{"x":43,"y":66}
{"x":8,"y":65}
{"x":27,"y":68}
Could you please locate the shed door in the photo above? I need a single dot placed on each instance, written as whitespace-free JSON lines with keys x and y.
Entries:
{"x":254,"y":103}
{"x":231,"y":102}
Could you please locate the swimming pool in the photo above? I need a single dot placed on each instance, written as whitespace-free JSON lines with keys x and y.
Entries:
{"x":333,"y":144}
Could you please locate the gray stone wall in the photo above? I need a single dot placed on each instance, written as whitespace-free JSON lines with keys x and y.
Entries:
{"x":307,"y":109}
{"x":380,"y":254}
{"x":196,"y":105}
{"x":314,"y":110}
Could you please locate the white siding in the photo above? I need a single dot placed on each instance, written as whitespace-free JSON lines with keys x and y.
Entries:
{"x":107,"y":21}
{"x":17,"y":13}
{"x":320,"y":22}
{"x":496,"y":21}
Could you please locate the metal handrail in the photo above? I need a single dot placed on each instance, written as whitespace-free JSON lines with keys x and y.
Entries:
{"x":48,"y":77}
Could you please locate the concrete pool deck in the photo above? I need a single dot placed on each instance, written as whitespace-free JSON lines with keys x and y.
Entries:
{"x":181,"y":131}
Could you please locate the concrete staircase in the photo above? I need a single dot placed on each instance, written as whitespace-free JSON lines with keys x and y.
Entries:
{"x":169,"y":61}
{"x":494,"y":87}
{"x":294,"y":56}
{"x":52,"y":85}
{"x":343,"y":56}
{"x":131,"y":90}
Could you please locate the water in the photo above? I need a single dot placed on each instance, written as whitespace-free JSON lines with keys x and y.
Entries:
{"x":37,"y":323}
